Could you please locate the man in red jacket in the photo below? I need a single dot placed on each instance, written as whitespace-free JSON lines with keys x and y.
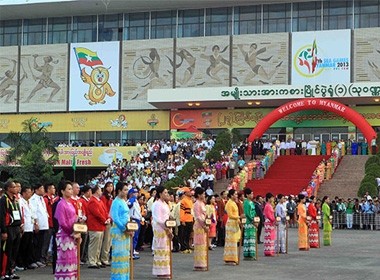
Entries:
{"x":97,"y":219}
{"x":84,"y":199}
{"x":49,"y":199}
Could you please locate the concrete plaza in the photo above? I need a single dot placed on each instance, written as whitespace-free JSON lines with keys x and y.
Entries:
{"x":353,"y":255}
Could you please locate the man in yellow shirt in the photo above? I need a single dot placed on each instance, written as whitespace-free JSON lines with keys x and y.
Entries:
{"x":186,"y":219}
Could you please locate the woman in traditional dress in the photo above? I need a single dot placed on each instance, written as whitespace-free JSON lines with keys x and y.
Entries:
{"x":218,"y":168}
{"x":107,"y":199}
{"x":314,"y":227}
{"x":120,"y":238}
{"x":200,"y":231}
{"x":211,"y":214}
{"x":303,"y":239}
{"x":233,"y":233}
{"x":67,"y":240}
{"x":270,"y":226}
{"x":327,"y":227}
{"x":249,"y":244}
{"x":162,"y":235}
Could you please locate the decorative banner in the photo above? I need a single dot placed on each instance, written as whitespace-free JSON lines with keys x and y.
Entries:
{"x":366,"y":55}
{"x":318,"y":59}
{"x":249,"y":118}
{"x":310,"y":103}
{"x":94,"y":76}
{"x":9,"y":79}
{"x":80,"y":122}
{"x":260,"y":59}
{"x":147,"y":64}
{"x":203,"y":62}
{"x":88,"y":156}
{"x":44,"y":69}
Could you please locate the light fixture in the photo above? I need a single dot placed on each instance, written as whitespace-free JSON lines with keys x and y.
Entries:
{"x":197,"y":104}
{"x":249,"y":103}
{"x":257,"y":102}
{"x":190,"y":104}
{"x":376,"y":100}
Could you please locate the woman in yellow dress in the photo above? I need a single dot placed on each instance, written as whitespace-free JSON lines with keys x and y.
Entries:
{"x":233,"y":233}
{"x":303,"y":234}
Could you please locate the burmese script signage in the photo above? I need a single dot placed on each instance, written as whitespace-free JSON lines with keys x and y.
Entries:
{"x":306,"y":91}
{"x":88,"y":156}
{"x":265,"y":92}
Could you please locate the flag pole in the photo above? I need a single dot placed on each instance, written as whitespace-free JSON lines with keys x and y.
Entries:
{"x":74,"y":165}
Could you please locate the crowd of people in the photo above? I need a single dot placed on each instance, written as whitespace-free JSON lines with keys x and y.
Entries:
{"x":38,"y":221}
{"x":313,"y":147}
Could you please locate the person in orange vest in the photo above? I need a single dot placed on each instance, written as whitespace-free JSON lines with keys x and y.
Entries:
{"x":186,"y":219}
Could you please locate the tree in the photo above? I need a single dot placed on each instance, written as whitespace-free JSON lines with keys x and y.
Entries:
{"x":32,"y":155}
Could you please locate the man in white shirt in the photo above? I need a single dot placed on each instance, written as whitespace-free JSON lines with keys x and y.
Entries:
{"x":41,"y":223}
{"x":24,"y":258}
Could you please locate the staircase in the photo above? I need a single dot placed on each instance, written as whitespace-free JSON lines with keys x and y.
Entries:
{"x":346,"y":180}
{"x":288,"y":175}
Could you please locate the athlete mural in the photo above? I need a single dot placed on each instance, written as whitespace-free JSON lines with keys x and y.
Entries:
{"x":145,"y":68}
{"x":263,"y":60}
{"x":45,"y":78}
{"x":9,"y":79}
{"x":367,"y":60}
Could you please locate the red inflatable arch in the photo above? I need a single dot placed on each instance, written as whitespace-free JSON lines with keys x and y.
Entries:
{"x":314,"y":104}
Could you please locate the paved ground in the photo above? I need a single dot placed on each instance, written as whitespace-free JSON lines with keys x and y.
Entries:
{"x":353,"y":255}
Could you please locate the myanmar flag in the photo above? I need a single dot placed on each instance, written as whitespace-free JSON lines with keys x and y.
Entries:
{"x":87,"y":57}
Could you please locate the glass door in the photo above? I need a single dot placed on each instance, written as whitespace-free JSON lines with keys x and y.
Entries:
{"x":281,"y":137}
{"x":324,"y":137}
{"x":302,"y":136}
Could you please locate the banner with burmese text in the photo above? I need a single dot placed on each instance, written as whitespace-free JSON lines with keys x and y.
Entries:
{"x":88,"y":156}
{"x":96,"y":121}
{"x":249,"y":118}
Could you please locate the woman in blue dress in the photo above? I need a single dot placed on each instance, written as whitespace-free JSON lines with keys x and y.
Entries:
{"x":121,"y":238}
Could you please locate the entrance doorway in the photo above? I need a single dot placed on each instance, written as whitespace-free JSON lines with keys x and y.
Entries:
{"x":281,"y":137}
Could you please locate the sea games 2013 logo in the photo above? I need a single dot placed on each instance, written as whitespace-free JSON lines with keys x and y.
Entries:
{"x":310,"y":61}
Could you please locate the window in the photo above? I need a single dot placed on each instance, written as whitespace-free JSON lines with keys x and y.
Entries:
{"x":306,"y":16}
{"x":191,"y":23}
{"x":163,"y":24}
{"x":84,"y":29}
{"x":218,"y":21}
{"x":276,"y":18}
{"x":34,"y":31}
{"x":154,"y":135}
{"x":136,"y":26}
{"x":134,"y":136}
{"x":110,"y":28}
{"x":108,"y":136}
{"x":10,"y":32}
{"x":367,"y":14}
{"x":59,"y":30}
{"x":337,"y":15}
{"x":247,"y":20}
{"x":58,"y":137}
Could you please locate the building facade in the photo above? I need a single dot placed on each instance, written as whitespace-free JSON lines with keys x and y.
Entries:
{"x":115,"y":72}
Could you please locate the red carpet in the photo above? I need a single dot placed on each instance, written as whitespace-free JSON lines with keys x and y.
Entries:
{"x":288,"y":175}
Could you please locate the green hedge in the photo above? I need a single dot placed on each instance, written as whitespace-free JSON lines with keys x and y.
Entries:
{"x":187,"y":170}
{"x":372,"y":171}
{"x":223,"y":142}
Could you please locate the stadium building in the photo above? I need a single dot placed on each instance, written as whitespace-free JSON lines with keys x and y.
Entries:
{"x":114,"y":70}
